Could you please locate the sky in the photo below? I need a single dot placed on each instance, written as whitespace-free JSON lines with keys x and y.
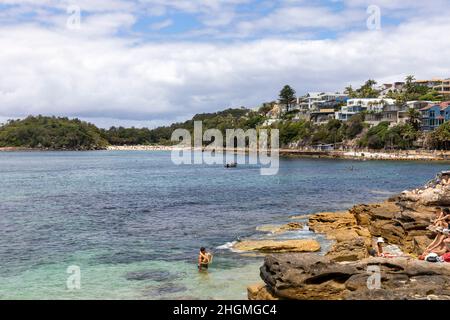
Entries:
{"x":154,"y":62}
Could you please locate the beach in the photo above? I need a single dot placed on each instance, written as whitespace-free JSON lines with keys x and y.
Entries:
{"x":409,"y":155}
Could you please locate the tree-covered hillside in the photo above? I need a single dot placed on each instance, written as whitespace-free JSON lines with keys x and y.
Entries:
{"x":51,"y":133}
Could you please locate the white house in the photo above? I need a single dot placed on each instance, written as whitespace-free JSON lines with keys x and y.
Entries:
{"x":370,"y":104}
{"x":316,"y":100}
{"x":358,"y":105}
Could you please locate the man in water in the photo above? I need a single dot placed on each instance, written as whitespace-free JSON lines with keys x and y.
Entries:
{"x":204,"y":259}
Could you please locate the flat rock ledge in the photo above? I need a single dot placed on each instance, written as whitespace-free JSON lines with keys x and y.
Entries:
{"x":281,"y":246}
{"x":313,"y":277}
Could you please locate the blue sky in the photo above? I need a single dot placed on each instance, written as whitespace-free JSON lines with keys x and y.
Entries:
{"x":151,"y":62}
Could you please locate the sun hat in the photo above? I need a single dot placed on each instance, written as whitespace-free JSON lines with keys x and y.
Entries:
{"x":380,"y":240}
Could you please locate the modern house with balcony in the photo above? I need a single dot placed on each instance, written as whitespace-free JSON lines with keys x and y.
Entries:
{"x":429,"y":83}
{"x":355,"y":106}
{"x":444,"y":87}
{"x":322,"y":116}
{"x":434,"y":115}
{"x":314,"y":101}
{"x":376,"y":118}
{"x":387,"y":88}
{"x":403,"y":113}
{"x":347,"y":112}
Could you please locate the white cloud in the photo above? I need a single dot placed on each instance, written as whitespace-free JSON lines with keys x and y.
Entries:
{"x":94,"y":74}
{"x":295,"y":18}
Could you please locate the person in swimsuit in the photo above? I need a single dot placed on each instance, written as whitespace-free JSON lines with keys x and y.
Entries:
{"x":203,"y":259}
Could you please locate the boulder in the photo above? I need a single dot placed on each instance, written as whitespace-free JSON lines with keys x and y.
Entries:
{"x":268,"y":246}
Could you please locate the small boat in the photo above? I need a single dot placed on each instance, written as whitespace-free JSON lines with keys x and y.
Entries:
{"x":231,"y":165}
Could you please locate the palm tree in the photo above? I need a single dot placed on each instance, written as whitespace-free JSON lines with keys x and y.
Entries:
{"x":410,"y":79}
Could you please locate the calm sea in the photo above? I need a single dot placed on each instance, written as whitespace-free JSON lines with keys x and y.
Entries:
{"x":133,"y":221}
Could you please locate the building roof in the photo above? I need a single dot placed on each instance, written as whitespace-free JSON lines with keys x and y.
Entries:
{"x":442,"y":106}
{"x":425,"y":81}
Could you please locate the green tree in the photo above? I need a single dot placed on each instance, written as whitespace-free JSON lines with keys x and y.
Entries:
{"x":414,"y":118}
{"x":367,"y":90}
{"x":287,"y":97}
{"x":441,"y":136}
{"x":355,"y":126}
{"x":350,"y":92}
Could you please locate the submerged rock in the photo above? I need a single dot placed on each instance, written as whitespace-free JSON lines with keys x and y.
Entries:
{"x":148,"y":275}
{"x":272,"y":246}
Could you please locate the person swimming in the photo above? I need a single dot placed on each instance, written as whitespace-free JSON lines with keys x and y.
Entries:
{"x":204,"y":259}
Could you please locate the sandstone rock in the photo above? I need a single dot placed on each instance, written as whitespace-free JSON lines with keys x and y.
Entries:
{"x":305,"y":276}
{"x":394,"y":222}
{"x":364,"y":213}
{"x":329,"y":221}
{"x":260,"y":291}
{"x":349,"y":233}
{"x":348,"y":250}
{"x":419,"y":244}
{"x":267,"y":246}
{"x":310,"y":276}
{"x":343,"y":272}
{"x":277,"y":229}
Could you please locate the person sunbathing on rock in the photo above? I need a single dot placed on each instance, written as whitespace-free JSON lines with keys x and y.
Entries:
{"x":440,"y":245}
{"x":445,"y":181}
{"x":442,"y":221}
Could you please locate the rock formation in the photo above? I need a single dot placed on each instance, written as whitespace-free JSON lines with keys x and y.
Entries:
{"x":311,"y":276}
{"x":343,"y":272}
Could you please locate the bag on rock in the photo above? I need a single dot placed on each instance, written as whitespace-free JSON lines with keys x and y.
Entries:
{"x":432,"y":257}
{"x":446,"y":257}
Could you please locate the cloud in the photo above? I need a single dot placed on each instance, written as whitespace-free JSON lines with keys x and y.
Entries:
{"x":295,"y":18}
{"x":97,"y":73}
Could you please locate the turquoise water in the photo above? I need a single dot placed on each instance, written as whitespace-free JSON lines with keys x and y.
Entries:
{"x":133,"y":221}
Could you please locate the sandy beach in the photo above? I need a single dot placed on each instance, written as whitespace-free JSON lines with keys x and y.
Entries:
{"x":419,"y":155}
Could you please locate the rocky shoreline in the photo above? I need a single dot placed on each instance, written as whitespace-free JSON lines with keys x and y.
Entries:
{"x":342,"y":273}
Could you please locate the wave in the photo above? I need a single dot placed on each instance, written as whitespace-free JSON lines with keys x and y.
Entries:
{"x":227,"y":246}
{"x":382,"y":192}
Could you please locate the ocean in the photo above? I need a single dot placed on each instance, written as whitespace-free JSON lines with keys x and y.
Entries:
{"x":132,"y":222}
